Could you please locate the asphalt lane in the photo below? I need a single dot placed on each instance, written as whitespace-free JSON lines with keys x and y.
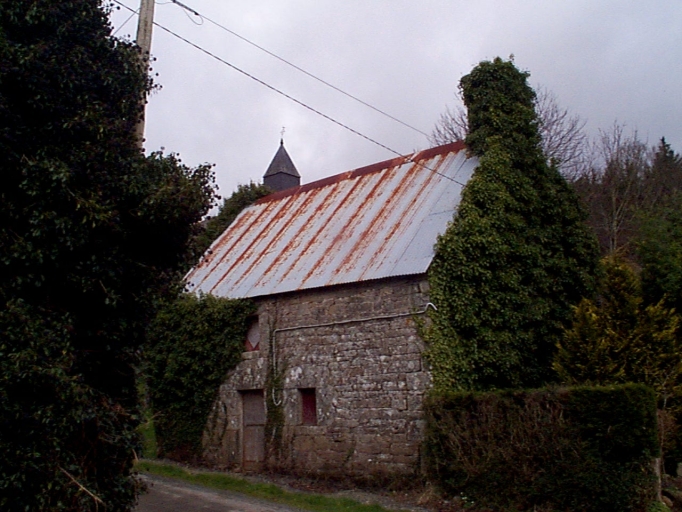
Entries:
{"x":168,"y":495}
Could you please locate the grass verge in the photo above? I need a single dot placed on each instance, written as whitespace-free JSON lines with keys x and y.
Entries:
{"x":148,"y":434}
{"x":269,"y":492}
{"x":146,"y":427}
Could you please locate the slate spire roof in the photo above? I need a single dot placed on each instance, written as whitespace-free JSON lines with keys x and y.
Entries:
{"x":282,"y":172}
{"x":282,"y":163}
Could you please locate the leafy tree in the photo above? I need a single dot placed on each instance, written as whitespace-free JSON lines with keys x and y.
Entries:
{"x":231,"y":207}
{"x":621,"y":339}
{"x":92,"y":234}
{"x":516,"y":256}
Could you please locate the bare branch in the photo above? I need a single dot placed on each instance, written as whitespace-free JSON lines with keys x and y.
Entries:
{"x":616,"y":187}
{"x":563,"y":138}
{"x":82,"y":488}
{"x":451,"y":126}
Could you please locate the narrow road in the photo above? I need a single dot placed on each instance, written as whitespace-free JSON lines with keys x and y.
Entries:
{"x":168,"y":495}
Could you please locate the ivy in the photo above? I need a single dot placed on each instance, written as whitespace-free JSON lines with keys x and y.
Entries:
{"x":274,"y":403}
{"x":193,"y":343}
{"x":517,"y":254}
{"x":92,"y":238}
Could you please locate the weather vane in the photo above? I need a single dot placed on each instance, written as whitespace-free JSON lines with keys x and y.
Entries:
{"x":281,"y":138}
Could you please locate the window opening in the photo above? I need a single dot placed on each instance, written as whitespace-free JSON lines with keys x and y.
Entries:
{"x":252,"y":342}
{"x":308,"y":406}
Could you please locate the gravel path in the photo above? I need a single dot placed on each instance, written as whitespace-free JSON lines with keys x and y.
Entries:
{"x":169,"y":495}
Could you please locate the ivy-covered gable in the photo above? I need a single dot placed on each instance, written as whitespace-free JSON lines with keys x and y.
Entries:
{"x":516,"y":256}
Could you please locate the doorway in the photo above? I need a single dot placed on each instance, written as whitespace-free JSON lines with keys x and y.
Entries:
{"x":253,"y":427}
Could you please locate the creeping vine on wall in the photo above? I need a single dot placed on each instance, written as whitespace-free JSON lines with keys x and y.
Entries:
{"x":193,"y":343}
{"x":274,"y":401}
{"x":516,"y":256}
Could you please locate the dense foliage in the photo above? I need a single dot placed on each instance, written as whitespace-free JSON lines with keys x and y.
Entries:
{"x":517,"y":255}
{"x":193,"y":343}
{"x":231,"y":207}
{"x":91,"y":235}
{"x":587,"y":449}
{"x":620,"y":339}
{"x":660,"y":254}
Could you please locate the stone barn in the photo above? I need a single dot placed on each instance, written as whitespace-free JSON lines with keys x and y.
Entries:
{"x":333,"y":360}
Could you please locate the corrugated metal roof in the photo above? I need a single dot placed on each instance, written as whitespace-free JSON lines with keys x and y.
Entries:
{"x":371,"y":223}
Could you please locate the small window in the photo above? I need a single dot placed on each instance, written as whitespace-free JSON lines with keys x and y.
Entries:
{"x":252,"y":342}
{"x":308,"y":406}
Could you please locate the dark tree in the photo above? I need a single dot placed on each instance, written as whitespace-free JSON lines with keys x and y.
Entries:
{"x":660,"y":254}
{"x":92,"y":234}
{"x":231,"y":207}
{"x":666,"y":173}
{"x":517,"y":255}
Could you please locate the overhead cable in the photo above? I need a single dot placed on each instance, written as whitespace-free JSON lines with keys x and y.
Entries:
{"x":298,"y":68}
{"x":289,"y":97}
{"x":125,"y":22}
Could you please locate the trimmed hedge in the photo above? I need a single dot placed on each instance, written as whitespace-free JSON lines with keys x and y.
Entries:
{"x":583,"y":448}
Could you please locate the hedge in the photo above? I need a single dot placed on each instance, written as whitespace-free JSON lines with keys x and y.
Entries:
{"x":583,"y":448}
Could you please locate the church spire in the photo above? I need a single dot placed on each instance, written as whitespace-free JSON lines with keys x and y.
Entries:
{"x":281,"y":173}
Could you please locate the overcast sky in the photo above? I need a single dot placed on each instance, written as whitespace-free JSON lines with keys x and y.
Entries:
{"x":606,"y":61}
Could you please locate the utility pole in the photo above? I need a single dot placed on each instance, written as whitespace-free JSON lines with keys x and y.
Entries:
{"x":144,"y":41}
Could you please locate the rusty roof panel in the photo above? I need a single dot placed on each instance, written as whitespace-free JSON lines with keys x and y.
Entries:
{"x":375,"y":222}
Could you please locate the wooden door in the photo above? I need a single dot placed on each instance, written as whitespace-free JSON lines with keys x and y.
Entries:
{"x":253,"y":427}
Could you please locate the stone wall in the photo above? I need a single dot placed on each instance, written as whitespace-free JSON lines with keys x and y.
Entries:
{"x":357,"y":347}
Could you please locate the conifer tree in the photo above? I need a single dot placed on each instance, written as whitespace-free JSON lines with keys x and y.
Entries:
{"x":516,"y":256}
{"x":620,"y":339}
{"x":660,"y":254}
{"x":660,"y":246}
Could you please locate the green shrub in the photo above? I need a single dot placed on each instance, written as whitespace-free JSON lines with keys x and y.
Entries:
{"x":619,"y":339}
{"x":193,"y":343}
{"x":586,"y":449}
{"x":657,"y":506}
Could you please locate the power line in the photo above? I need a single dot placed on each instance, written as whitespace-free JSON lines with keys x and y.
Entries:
{"x":271,"y":87}
{"x":298,"y":102}
{"x":298,"y":68}
{"x":124,"y":23}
